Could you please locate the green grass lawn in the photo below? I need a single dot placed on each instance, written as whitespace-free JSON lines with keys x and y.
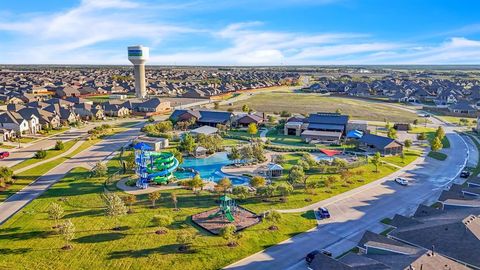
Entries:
{"x":430,"y":134}
{"x":310,"y":103}
{"x":277,"y":137}
{"x":456,"y":120}
{"x":437,"y":155}
{"x":4,"y":146}
{"x":51,"y":153}
{"x":25,"y":178}
{"x":28,"y":242}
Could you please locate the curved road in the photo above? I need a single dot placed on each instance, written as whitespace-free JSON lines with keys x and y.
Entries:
{"x":362,"y":209}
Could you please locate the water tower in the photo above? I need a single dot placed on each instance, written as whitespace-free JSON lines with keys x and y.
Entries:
{"x":138,"y":55}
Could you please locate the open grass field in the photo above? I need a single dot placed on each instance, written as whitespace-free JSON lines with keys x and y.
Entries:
{"x":309,"y":103}
{"x":27,"y":240}
{"x":456,"y":120}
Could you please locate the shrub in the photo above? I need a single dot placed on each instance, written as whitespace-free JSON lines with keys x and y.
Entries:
{"x":40,"y":154}
{"x":59,"y":145}
{"x":162,"y":220}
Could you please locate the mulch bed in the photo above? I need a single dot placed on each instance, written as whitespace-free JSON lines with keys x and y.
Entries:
{"x":243,"y":219}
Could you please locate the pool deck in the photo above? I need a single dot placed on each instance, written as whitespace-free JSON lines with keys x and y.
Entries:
{"x":251,"y":169}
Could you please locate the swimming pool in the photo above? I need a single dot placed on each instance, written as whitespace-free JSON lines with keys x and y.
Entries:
{"x":209,"y":168}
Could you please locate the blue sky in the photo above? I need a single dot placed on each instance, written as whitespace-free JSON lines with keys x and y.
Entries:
{"x":236,"y":32}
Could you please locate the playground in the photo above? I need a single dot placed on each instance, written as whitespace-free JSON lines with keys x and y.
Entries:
{"x":228,"y":212}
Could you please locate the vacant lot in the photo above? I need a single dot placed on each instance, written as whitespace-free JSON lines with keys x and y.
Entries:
{"x":309,"y":103}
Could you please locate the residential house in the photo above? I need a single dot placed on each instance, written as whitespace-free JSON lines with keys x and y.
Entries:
{"x":117,"y":110}
{"x":318,"y":127}
{"x":243,"y":120}
{"x":462,"y":107}
{"x":154,"y":106}
{"x":14,"y":121}
{"x":203,"y":117}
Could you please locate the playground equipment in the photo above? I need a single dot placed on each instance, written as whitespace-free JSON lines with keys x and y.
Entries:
{"x":152,"y":166}
{"x":227,"y":207}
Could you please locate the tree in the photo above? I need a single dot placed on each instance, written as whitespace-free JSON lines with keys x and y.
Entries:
{"x":240,"y":191}
{"x":340,"y":164}
{"x":234,"y":154}
{"x":408,"y":143}
{"x":162,"y":221}
{"x":153,"y":197}
{"x":40,"y":154}
{"x":280,"y":159}
{"x":257,"y":181}
{"x":246,"y":152}
{"x":284,"y":189}
{"x":67,"y":230}
{"x":55,"y":212}
{"x":258,"y":152}
{"x":245,"y":108}
{"x":376,"y":160}
{"x":415,"y":122}
{"x":129,"y":161}
{"x":100,"y":170}
{"x":302,"y":163}
{"x":185,"y":239}
{"x":392,"y":133}
{"x":151,"y":119}
{"x":266,"y":191}
{"x":216,"y":105}
{"x":130,"y":199}
{"x":187,"y":144}
{"x":6,"y":176}
{"x":402,"y":156}
{"x":440,"y":133}
{"x":177,"y":154}
{"x":196,"y":183}
{"x":422,"y":136}
{"x":174,"y":200}
{"x":296,"y":174}
{"x":115,"y":207}
{"x":252,"y":129}
{"x":224,"y":184}
{"x":436,"y":144}
{"x":309,"y":159}
{"x":227,"y":232}
{"x":273,"y":217}
{"x":330,"y":180}
{"x":59,"y":145}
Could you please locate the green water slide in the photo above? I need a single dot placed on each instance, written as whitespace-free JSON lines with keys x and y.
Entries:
{"x":162,"y":167}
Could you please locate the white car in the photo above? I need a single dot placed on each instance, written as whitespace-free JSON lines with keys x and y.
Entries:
{"x":401,"y":181}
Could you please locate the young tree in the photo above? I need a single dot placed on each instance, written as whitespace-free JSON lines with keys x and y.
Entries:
{"x":302,"y":163}
{"x":115,"y":207}
{"x":224,"y":184}
{"x":240,"y":191}
{"x":100,"y":170}
{"x":234,"y":154}
{"x":436,"y":144}
{"x":284,"y":189}
{"x":130,"y":199}
{"x":185,"y":239}
{"x":153,"y":197}
{"x":258,"y":152}
{"x":252,"y":129}
{"x":216,"y":105}
{"x":55,"y":212}
{"x":440,"y":133}
{"x":280,"y":159}
{"x":162,"y":221}
{"x":392,"y":133}
{"x":6,"y":176}
{"x":266,"y":191}
{"x":415,"y":122}
{"x":296,"y":174}
{"x":245,"y":108}
{"x":40,"y":154}
{"x":376,"y":160}
{"x":228,"y":233}
{"x":59,"y":145}
{"x":196,"y":183}
{"x":407,"y":143}
{"x":187,"y":144}
{"x":246,"y":152}
{"x":257,"y":181}
{"x":273,"y":217}
{"x":174,"y":200}
{"x":422,"y":136}
{"x":67,"y":230}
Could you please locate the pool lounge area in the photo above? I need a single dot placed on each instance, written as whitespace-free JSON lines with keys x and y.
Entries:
{"x":209,"y":169}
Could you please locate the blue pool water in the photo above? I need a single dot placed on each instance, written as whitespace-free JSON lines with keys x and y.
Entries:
{"x":209,"y":168}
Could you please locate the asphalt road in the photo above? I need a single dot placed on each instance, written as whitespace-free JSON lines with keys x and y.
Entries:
{"x":352,"y":215}
{"x":19,"y":155}
{"x":87,"y":158}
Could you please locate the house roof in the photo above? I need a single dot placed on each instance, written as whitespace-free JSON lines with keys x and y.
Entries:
{"x":326,"y":126}
{"x":206,"y":130}
{"x":328,"y":118}
{"x":379,"y":142}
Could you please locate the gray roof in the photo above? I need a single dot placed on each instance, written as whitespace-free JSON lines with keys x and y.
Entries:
{"x":379,"y":142}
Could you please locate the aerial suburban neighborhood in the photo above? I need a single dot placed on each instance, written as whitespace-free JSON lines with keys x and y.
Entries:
{"x":246,"y":135}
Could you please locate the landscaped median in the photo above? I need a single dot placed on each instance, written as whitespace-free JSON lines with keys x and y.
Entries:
{"x":437,"y":155}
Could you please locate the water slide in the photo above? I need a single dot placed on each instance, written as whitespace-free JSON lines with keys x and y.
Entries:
{"x":162,"y":167}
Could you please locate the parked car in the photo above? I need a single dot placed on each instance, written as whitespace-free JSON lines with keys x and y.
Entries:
{"x":4,"y":155}
{"x":323,"y":212}
{"x":401,"y":181}
{"x":310,"y":256}
{"x":465,"y":174}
